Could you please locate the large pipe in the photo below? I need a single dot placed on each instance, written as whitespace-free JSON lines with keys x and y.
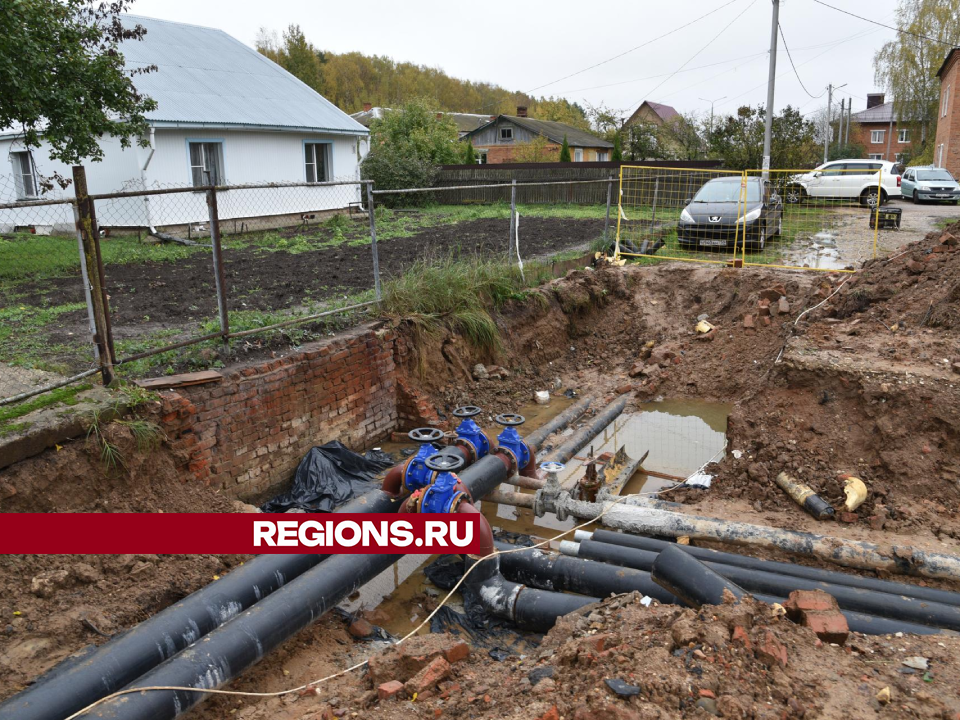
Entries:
{"x":549,"y":571}
{"x":507,"y":497}
{"x":232,"y":648}
{"x":782,"y":568}
{"x":536,"y":438}
{"x":690,"y":580}
{"x":582,"y":437}
{"x":640,"y":520}
{"x":848,"y":598}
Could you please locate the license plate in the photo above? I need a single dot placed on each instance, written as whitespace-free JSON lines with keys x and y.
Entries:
{"x":946,"y":195}
{"x":713,"y":243}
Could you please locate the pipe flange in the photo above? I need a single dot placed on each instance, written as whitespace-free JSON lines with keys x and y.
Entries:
{"x":560,"y":505}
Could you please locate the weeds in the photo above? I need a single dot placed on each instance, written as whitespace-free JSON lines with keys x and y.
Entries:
{"x":110,"y":456}
{"x":64,"y":396}
{"x":147,"y":434}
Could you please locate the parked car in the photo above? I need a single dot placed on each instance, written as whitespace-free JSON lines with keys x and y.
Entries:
{"x":711,"y":218}
{"x":853,"y":179}
{"x":930,"y":183}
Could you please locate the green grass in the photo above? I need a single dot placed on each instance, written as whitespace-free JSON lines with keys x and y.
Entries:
{"x":60,"y":396}
{"x":23,"y":340}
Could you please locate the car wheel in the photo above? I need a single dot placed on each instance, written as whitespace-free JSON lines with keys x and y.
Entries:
{"x":794,"y":195}
{"x":916,"y":200}
{"x":868,"y":198}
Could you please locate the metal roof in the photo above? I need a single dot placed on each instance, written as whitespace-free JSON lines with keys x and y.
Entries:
{"x":206,"y":78}
{"x":876,"y":114}
{"x":465,"y":121}
{"x":554,"y":131}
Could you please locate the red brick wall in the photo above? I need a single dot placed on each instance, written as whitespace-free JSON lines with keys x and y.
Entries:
{"x":949,"y":124}
{"x":860,"y":133}
{"x":247,"y":433}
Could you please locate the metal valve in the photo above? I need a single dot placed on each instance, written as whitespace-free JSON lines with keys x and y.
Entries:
{"x":417,"y":474}
{"x":469,"y":433}
{"x":510,"y":439}
{"x":442,"y":496}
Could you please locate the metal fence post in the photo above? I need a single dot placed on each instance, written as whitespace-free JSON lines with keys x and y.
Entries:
{"x":656,"y":190}
{"x":606,"y":222}
{"x":85,"y":278}
{"x":513,"y":215}
{"x":219,"y":275}
{"x":373,"y":241}
{"x":89,"y":236}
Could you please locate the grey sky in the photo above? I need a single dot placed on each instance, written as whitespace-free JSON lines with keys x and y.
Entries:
{"x":526,"y":45}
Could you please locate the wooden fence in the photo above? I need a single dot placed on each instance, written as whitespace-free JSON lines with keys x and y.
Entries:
{"x":527,"y":174}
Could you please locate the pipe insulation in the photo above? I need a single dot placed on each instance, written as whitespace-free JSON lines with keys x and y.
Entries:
{"x":562,"y":420}
{"x":848,"y":598}
{"x":586,"y":434}
{"x":637,"y":519}
{"x":781,"y":568}
{"x":549,"y":571}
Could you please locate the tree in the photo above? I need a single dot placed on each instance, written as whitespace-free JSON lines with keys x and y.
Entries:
{"x":407,"y":145}
{"x":469,"y":154}
{"x":565,"y":150}
{"x":617,"y":149}
{"x":737,"y":140}
{"x":681,"y":137}
{"x":561,"y":110}
{"x":295,"y":54}
{"x":537,"y":150}
{"x":642,"y":142}
{"x":63,"y":78}
{"x":907,"y":65}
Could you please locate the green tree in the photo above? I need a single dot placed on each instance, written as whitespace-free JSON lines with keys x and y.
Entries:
{"x":642,"y":142}
{"x":537,"y":150}
{"x":907,"y":65}
{"x":681,"y":138}
{"x":295,"y":54}
{"x":737,"y":140}
{"x":407,"y":145}
{"x":469,"y":154}
{"x":565,"y":150}
{"x":63,"y":78}
{"x":617,"y":155}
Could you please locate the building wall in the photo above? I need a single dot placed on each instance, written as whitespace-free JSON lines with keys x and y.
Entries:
{"x":508,"y":153}
{"x":946,"y":151}
{"x":247,"y":433}
{"x":861,"y":133}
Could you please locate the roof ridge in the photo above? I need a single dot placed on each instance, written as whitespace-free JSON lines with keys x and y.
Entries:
{"x":177,"y":22}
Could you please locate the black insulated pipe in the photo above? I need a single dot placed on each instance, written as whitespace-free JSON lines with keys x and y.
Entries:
{"x":536,"y":438}
{"x":585,"y":435}
{"x":690,"y":580}
{"x":143,"y":647}
{"x":559,"y":572}
{"x":232,"y":648}
{"x":782,"y":568}
{"x":756,"y":581}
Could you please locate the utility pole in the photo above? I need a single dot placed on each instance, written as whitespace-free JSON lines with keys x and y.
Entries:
{"x":846,"y":140}
{"x":843,"y":113}
{"x":771,"y":81}
{"x":710,"y":134}
{"x":827,"y":128}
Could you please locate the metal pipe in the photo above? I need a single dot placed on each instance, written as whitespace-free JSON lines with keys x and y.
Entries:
{"x":848,"y":598}
{"x":782,"y":568}
{"x":549,"y":571}
{"x":536,"y":438}
{"x":523,"y":481}
{"x":638,"y":519}
{"x":588,"y":432}
{"x":695,"y":583}
{"x":507,"y":497}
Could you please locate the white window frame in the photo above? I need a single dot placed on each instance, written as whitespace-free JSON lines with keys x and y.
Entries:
{"x":578,"y":154}
{"x":482,"y":157}
{"x":603,"y":156}
{"x":876,"y":136}
{"x":945,"y":104}
{"x":875,"y":156}
{"x":898,"y":157}
{"x":17,"y":158}
{"x":506,"y":133}
{"x":204,"y":165}
{"x":310,"y":150}
{"x":903,"y":136}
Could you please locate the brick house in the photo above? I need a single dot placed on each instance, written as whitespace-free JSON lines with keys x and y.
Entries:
{"x":651,"y":112}
{"x":876,"y":130}
{"x":946,"y":151}
{"x":497,"y":141}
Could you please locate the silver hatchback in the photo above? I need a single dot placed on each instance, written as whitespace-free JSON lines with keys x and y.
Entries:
{"x":921,"y":184}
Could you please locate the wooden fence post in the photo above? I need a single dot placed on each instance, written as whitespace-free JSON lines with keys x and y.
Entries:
{"x":219,"y":274}
{"x":90,"y":237}
{"x":513,"y":215}
{"x":373,"y":241}
{"x":606,"y":222}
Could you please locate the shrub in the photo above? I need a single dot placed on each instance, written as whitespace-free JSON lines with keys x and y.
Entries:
{"x":565,"y":150}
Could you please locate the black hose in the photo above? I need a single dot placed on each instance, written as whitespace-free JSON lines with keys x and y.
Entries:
{"x":756,"y":581}
{"x":244,"y":640}
{"x":143,"y":647}
{"x":691,"y":580}
{"x":782,"y":568}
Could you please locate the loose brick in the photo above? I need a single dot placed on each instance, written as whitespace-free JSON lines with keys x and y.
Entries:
{"x":829,"y":626}
{"x":389,"y":690}
{"x":748,"y":323}
{"x":770,"y":651}
{"x":438,"y":669}
{"x":801,"y":601}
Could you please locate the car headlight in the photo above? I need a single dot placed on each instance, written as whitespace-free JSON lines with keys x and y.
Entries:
{"x":751,"y":216}
{"x":685,"y":216}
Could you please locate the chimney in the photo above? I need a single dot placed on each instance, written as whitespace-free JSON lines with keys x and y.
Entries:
{"x":874,"y":99}
{"x":521,"y":110}
{"x":367,"y":107}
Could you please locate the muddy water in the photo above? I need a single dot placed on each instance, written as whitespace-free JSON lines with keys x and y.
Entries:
{"x":681,"y":436}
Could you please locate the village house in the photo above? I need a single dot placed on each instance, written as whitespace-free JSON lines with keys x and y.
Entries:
{"x":652,"y":112}
{"x":876,"y":130}
{"x":498,"y":140}
{"x":225,"y":115}
{"x":946,"y":150}
{"x":465,"y":121}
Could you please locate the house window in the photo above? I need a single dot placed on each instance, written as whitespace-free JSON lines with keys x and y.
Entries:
{"x":945,"y":103}
{"x":898,"y":158}
{"x":315,"y":157}
{"x":481,"y":157}
{"x":506,"y":133}
{"x":876,"y":136}
{"x":24,"y":175}
{"x":578,"y":155}
{"x":602,"y":156}
{"x":206,"y":163}
{"x":903,"y":136}
{"x":875,"y":156}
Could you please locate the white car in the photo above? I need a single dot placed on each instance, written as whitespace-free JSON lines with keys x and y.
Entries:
{"x":846,"y":179}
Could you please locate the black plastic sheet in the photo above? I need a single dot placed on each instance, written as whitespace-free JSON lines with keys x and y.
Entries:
{"x":327,"y":477}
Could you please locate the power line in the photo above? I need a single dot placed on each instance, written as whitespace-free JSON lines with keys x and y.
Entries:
{"x":787,"y":48}
{"x":691,"y":58}
{"x":627,"y":52}
{"x":889,"y":27}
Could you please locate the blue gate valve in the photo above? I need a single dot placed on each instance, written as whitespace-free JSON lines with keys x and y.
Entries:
{"x":470,"y":432}
{"x":510,"y":439}
{"x":417,"y":474}
{"x":442,"y":496}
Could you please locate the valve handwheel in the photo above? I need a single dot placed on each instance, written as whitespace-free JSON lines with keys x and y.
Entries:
{"x":425,"y":435}
{"x":510,"y":419}
{"x":552,"y":467}
{"x":467,"y":411}
{"x":444,"y":463}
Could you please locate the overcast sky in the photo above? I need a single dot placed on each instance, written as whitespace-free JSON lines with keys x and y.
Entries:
{"x":531,"y":46}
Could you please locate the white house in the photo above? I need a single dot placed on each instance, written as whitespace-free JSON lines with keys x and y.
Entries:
{"x":225,"y":114}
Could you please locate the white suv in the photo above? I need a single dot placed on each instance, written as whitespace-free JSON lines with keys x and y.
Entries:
{"x":846,"y":179}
